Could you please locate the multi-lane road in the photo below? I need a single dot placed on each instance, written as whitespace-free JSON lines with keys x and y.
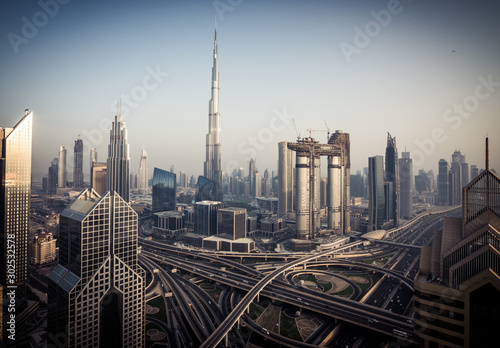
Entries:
{"x":385,"y":309}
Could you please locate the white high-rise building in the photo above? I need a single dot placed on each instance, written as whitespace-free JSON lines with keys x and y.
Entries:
{"x":142,"y":184}
{"x":62,"y":174}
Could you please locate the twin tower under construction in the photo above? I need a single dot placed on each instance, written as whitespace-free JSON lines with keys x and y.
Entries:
{"x":302,"y":196}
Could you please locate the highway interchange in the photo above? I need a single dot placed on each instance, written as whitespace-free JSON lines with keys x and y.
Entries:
{"x":194,"y":318}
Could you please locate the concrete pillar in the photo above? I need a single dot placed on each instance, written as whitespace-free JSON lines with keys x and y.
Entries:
{"x":334,"y":193}
{"x":317,"y":196}
{"x":303,"y":195}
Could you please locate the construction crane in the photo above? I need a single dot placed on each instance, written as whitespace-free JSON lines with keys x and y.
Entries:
{"x":296,"y":131}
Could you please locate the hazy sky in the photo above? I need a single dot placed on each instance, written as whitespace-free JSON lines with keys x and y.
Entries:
{"x":428,"y":72}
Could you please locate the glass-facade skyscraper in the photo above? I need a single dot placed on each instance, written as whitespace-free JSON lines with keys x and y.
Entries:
{"x":15,"y":194}
{"x":118,"y":165}
{"x":376,"y":199}
{"x":78,"y":164}
{"x":96,"y":295}
{"x":164,"y":189}
{"x":392,"y":178}
{"x":205,"y":217}
{"x":406,"y":185}
{"x":206,"y":190}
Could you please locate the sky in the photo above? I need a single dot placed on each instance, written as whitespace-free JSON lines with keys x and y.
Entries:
{"x":427,"y":72}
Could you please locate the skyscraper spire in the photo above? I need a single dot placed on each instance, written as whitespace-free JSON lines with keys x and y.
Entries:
{"x":212,"y":166}
{"x":118,"y":159}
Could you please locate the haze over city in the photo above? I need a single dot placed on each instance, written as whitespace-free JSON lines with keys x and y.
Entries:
{"x":425,"y":71}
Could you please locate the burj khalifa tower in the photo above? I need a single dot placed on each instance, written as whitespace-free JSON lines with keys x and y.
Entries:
{"x":212,"y":165}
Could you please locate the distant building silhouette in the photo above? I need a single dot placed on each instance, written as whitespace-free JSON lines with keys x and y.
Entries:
{"x":142,"y":183}
{"x":52,"y":178}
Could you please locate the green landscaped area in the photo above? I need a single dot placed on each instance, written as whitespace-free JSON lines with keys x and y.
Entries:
{"x":288,"y":327}
{"x":160,"y":304}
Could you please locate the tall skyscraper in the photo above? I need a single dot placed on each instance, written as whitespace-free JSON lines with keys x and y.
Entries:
{"x":118,"y":164}
{"x":442,"y":198}
{"x":376,"y":198}
{"x":212,"y":167}
{"x":15,"y":194}
{"x":142,"y":184}
{"x":52,"y":177}
{"x":457,"y":289}
{"x":164,"y":189}
{"x":62,"y":174}
{"x":406,"y":185}
{"x":285,"y":179}
{"x":455,"y":181}
{"x":392,"y":177}
{"x":251,"y":176}
{"x":96,"y":293}
{"x":78,"y":164}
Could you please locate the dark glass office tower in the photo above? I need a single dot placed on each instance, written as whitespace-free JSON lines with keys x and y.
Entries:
{"x":78,"y":164}
{"x":376,"y":199}
{"x":205,"y":217}
{"x":164,"y":188}
{"x":442,"y":198}
{"x":96,"y":294}
{"x":15,"y":194}
{"x":406,"y":185}
{"x":392,"y":177}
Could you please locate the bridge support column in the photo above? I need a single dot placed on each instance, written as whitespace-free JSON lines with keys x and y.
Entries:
{"x":258,"y":297}
{"x":226,"y":339}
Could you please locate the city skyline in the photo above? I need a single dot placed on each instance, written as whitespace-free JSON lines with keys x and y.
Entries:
{"x":427,"y":73}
